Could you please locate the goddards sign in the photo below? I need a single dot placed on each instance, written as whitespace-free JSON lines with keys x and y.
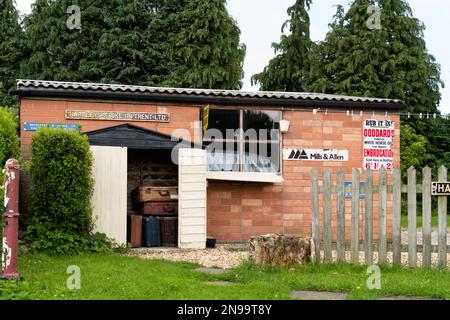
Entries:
{"x":117,"y":116}
{"x":378,"y":136}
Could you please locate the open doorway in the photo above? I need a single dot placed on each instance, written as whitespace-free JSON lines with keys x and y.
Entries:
{"x":152,"y":199}
{"x":136,"y":180}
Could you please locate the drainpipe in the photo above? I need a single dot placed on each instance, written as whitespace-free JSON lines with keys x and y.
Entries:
{"x":11,"y":222}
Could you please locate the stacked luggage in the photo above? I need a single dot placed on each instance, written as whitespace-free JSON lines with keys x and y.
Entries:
{"x":158,"y":222}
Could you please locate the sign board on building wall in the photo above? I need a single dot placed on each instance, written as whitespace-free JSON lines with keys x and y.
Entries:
{"x":33,"y":126}
{"x":440,"y":188}
{"x":117,"y":116}
{"x":300,"y":154}
{"x":378,"y":136}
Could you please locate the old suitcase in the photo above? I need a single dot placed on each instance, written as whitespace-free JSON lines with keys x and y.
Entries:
{"x":151,"y":236}
{"x":159,"y":194}
{"x":134,"y":228}
{"x":159,"y":209}
{"x":169,"y":231}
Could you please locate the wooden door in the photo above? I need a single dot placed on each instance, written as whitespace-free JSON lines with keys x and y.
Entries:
{"x":109,"y":201}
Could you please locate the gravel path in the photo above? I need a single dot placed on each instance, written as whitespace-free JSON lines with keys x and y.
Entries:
{"x":226,"y":257}
{"x":434,"y":237}
{"x":404,"y":258}
{"x":221,"y":257}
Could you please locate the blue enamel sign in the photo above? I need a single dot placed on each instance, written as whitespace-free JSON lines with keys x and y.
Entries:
{"x":348,"y":185}
{"x":32,"y":126}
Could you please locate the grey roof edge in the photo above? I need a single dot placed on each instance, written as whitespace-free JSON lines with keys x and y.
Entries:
{"x":43,"y":88}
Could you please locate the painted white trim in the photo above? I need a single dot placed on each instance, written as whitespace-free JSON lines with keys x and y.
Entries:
{"x":192,"y":198}
{"x":245,"y":176}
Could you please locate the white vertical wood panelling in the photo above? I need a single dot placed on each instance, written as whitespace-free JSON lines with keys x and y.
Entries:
{"x":192,"y":198}
{"x":109,"y":201}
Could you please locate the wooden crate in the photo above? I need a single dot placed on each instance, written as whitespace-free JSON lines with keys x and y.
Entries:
{"x":169,"y":231}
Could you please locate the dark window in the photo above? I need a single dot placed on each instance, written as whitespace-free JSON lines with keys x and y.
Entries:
{"x":223,"y":120}
{"x":262,"y":121}
{"x":243,"y":140}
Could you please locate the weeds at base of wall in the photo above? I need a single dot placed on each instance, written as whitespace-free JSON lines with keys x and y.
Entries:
{"x":41,"y":239}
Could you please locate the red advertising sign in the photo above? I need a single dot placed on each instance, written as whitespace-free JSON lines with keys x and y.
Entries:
{"x":378,"y":136}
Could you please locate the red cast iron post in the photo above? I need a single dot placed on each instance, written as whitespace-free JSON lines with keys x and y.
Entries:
{"x":11,"y":222}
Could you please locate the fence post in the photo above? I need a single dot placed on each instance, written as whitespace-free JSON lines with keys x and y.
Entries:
{"x":315,"y":214}
{"x":397,"y":211}
{"x":340,"y":235}
{"x":382,"y":218}
{"x":426,"y":216}
{"x":355,"y":216}
{"x":327,"y":216}
{"x":442,"y":212}
{"x":412,"y":212}
{"x":368,"y":239}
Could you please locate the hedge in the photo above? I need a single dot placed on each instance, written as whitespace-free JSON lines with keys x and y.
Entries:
{"x":61,"y":191}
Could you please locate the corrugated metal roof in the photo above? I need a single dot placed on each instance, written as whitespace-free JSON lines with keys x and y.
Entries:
{"x":118,"y":88}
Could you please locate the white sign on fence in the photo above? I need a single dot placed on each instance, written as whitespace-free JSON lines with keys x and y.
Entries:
{"x":315,"y":154}
{"x":378,"y":136}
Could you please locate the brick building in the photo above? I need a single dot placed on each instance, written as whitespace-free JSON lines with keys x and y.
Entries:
{"x":248,"y":191}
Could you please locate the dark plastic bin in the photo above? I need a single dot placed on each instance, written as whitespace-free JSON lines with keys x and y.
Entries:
{"x":169,"y":231}
{"x":151,"y":232}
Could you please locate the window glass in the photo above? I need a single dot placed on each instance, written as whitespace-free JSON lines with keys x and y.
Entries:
{"x":263,"y":122}
{"x":222,"y":156}
{"x":223,"y":120}
{"x":262,"y":157}
{"x":254,"y":147}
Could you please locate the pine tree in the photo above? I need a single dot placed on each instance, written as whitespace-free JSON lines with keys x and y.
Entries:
{"x":388,"y":62}
{"x":114,"y":44}
{"x":10,"y":50}
{"x":290,"y":69}
{"x":203,"y":45}
{"x":131,"y":43}
{"x":191,"y":43}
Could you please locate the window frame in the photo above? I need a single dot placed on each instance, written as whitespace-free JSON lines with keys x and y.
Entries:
{"x":241,"y":141}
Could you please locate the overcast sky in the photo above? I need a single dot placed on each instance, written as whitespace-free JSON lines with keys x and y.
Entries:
{"x":260,"y":23}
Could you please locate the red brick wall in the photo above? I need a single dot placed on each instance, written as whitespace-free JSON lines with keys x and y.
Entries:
{"x":237,"y":211}
{"x":53,"y":111}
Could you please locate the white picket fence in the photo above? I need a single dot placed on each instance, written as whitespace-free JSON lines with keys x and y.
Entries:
{"x":322,"y":229}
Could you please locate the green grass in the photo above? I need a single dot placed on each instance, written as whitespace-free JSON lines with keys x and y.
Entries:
{"x":434,"y":222}
{"x":122,"y":277}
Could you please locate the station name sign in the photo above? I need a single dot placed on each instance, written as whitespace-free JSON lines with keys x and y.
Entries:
{"x":34,"y":126}
{"x":440,"y":189}
{"x":117,"y":116}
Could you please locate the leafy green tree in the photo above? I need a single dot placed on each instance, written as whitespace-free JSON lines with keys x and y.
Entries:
{"x":390,"y":62}
{"x":290,"y":69}
{"x":191,"y":43}
{"x":202,"y":44}
{"x":114,"y":42}
{"x":386,"y":60}
{"x":10,"y":50}
{"x":413,"y":148}
{"x":9,"y":142}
